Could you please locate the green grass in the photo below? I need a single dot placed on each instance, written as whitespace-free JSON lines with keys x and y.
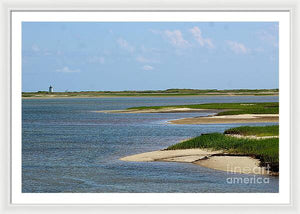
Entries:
{"x":229,"y":108}
{"x":266,"y":150}
{"x":168,"y":92}
{"x":259,"y":131}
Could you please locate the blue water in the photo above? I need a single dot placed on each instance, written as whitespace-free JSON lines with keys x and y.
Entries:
{"x":67,"y":147}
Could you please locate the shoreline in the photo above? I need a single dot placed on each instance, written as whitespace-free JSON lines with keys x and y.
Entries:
{"x":117,"y":96}
{"x":210,"y":119}
{"x":217,"y":160}
{"x":163,"y":110}
{"x":227,"y":119}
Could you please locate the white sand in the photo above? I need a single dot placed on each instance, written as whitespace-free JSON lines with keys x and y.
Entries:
{"x":185,"y":155}
{"x":244,"y":116}
{"x":163,"y":110}
{"x":241,"y":118}
{"x":235,"y":164}
{"x":202,"y":157}
{"x":212,"y":119}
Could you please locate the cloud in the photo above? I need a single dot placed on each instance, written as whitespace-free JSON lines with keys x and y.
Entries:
{"x":35,"y":48}
{"x":147,"y":68}
{"x":142,"y":59}
{"x":97,"y":59}
{"x":237,"y":47}
{"x":176,"y":39}
{"x":196,"y":32}
{"x":67,"y":70}
{"x":150,"y":50}
{"x":268,"y":37}
{"x":125,"y":45}
{"x":155,"y":31}
{"x":59,"y":52}
{"x":47,"y":53}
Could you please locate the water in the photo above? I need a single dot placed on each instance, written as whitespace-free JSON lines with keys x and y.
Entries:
{"x":66,"y":147}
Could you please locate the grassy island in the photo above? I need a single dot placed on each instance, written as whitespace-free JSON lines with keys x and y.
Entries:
{"x":259,"y":131}
{"x":264,"y":149}
{"x":225,"y":108}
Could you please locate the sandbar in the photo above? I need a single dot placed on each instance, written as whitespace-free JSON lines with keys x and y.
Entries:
{"x":162,"y":110}
{"x":241,"y":118}
{"x":234,"y":164}
{"x":217,"y":160}
{"x":211,"y":119}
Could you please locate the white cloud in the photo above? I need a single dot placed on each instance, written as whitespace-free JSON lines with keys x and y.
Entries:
{"x":176,"y":39}
{"x":125,"y":45}
{"x":147,"y":68}
{"x":268,"y":37}
{"x":142,"y":59}
{"x":66,"y":69}
{"x":155,"y":31}
{"x":237,"y":47}
{"x":97,"y":59}
{"x":35,"y":48}
{"x":150,"y":50}
{"x":200,"y":39}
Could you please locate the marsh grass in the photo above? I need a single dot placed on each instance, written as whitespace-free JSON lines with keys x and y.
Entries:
{"x":259,"y":131}
{"x":266,"y":150}
{"x":229,"y":108}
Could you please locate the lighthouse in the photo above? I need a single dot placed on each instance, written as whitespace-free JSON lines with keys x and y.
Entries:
{"x":50,"y":89}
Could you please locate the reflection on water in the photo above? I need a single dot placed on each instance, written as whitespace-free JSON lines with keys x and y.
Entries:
{"x":67,"y":147}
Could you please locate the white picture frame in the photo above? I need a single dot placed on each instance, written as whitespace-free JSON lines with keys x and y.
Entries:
{"x":282,"y":17}
{"x":9,"y":9}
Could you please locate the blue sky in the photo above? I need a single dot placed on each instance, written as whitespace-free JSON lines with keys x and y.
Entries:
{"x":149,"y":55}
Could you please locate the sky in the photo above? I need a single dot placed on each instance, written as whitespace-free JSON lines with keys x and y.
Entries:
{"x":112,"y":56}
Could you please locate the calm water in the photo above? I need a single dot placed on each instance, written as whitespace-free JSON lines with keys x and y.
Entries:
{"x":67,"y":147}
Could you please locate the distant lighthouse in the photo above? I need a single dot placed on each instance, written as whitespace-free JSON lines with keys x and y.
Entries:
{"x":50,"y":89}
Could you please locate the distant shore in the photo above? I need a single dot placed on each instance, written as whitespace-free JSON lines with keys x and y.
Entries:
{"x":152,"y":93}
{"x":63,"y":97}
{"x":119,"y":96}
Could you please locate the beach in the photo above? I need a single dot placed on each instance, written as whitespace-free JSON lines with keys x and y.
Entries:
{"x":162,"y":110}
{"x":241,"y":118}
{"x":217,"y":160}
{"x":211,"y":119}
{"x":214,"y":159}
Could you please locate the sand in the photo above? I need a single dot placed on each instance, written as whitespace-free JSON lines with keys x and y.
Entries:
{"x":233,"y":164}
{"x":212,"y":119}
{"x":186,"y":155}
{"x":206,"y":158}
{"x":163,"y":110}
{"x":241,"y":118}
